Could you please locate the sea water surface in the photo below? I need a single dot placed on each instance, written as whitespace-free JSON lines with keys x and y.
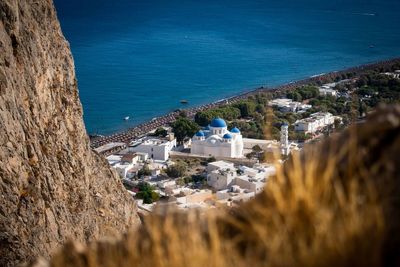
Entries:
{"x":140,"y":58}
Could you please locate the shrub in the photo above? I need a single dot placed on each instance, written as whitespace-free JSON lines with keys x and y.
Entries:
{"x":184,"y":127}
{"x":177,"y":170}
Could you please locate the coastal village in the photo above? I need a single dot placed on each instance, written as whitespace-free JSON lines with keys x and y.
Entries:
{"x":114,"y":151}
{"x":213,"y":163}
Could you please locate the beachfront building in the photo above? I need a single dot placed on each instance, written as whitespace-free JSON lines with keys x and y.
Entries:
{"x":156,"y":148}
{"x":217,"y":141}
{"x":328,"y":90}
{"x":288,"y":105}
{"x":110,"y":148}
{"x":316,"y":122}
{"x":395,"y":74}
{"x":323,"y":91}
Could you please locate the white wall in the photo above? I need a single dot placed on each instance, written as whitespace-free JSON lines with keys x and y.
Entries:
{"x":220,"y":180}
{"x":155,"y":151}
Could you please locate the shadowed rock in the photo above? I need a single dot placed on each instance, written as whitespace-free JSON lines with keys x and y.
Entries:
{"x":52,"y":185}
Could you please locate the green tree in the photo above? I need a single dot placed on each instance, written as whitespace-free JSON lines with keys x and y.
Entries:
{"x":228,"y":112}
{"x":211,"y":159}
{"x":295,"y":96}
{"x":154,"y":196}
{"x":177,"y":170}
{"x":161,"y":132}
{"x":302,"y":93}
{"x":188,"y":179}
{"x":183,"y":113}
{"x":204,"y":118}
{"x":147,"y":193}
{"x":250,"y":155}
{"x":257,"y":149}
{"x":260,"y":108}
{"x":247,"y":108}
{"x":145,"y":171}
{"x":180,"y":181}
{"x":183,"y":127}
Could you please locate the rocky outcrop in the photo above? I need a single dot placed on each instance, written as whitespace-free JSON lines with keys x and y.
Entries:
{"x":52,"y":185}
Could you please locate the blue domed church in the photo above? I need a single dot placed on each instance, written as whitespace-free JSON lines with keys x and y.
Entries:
{"x":216,"y":140}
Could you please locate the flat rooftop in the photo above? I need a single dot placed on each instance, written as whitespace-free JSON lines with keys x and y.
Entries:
{"x":221,"y":164}
{"x":109,"y":146}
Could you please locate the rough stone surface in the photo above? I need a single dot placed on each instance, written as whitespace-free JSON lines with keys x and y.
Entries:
{"x":52,"y":186}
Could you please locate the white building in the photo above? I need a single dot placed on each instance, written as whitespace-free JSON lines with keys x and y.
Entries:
{"x":220,"y":174}
{"x":395,"y":74}
{"x":156,"y":148}
{"x":250,"y":184}
{"x":142,"y":156}
{"x":225,"y":179}
{"x":315,"y":122}
{"x":217,"y":141}
{"x":110,"y":148}
{"x":123,"y":167}
{"x":126,"y":165}
{"x":114,"y":159}
{"x":327,"y":91}
{"x":230,"y":196}
{"x":196,"y":199}
{"x":220,"y":165}
{"x":250,"y":179}
{"x":288,"y":105}
{"x":221,"y":179}
{"x":130,"y":158}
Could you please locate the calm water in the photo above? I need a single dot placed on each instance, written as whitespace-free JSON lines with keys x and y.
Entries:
{"x":139,"y":58}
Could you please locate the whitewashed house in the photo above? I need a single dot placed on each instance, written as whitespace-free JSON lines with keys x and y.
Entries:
{"x":315,"y":122}
{"x":156,"y":148}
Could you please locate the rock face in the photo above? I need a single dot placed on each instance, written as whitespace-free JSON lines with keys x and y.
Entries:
{"x":52,"y":185}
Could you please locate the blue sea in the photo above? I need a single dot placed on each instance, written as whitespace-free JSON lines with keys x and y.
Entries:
{"x":140,"y":58}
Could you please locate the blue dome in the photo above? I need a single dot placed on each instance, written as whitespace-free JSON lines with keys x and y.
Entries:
{"x":218,"y":123}
{"x":235,"y":130}
{"x":227,"y":136}
{"x":199,"y":134}
{"x":207,"y":128}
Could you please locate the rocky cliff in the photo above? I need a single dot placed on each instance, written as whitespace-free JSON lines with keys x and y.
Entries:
{"x":52,"y":185}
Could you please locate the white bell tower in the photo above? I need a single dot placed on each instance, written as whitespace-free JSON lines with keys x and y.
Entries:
{"x":285,"y":150}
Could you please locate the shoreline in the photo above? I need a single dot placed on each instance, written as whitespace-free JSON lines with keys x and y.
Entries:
{"x":143,"y":128}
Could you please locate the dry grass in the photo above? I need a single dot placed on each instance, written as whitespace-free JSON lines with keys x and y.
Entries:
{"x":327,"y":207}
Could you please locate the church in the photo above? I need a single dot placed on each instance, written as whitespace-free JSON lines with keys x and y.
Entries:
{"x":215,"y":140}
